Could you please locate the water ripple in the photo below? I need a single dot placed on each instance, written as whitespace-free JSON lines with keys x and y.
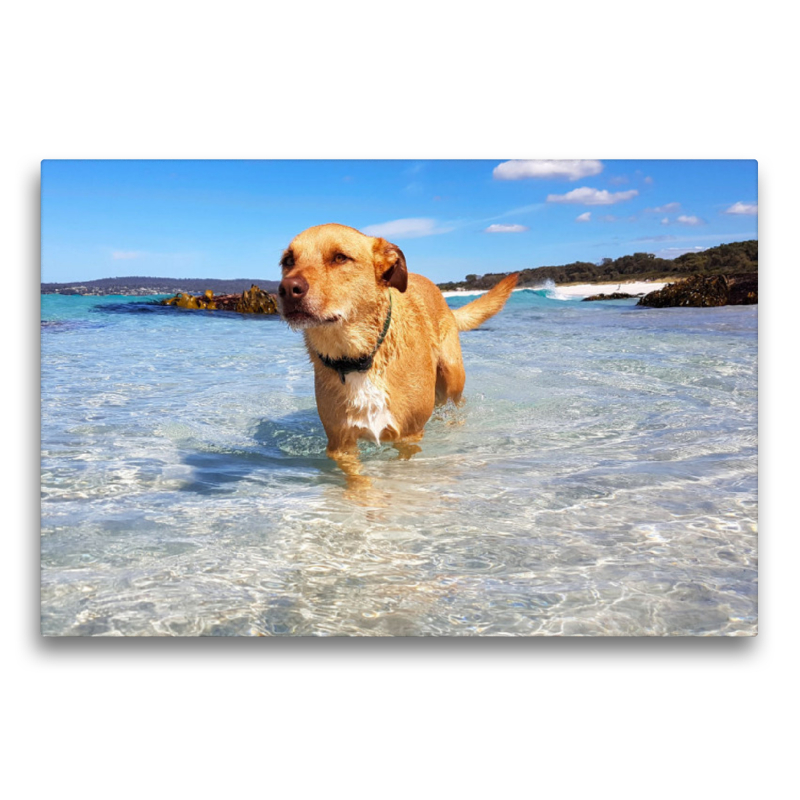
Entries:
{"x":601,"y":479}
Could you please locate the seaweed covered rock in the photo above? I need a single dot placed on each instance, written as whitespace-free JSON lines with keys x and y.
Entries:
{"x":705,"y":291}
{"x":252,"y":301}
{"x":743,"y":290}
{"x":612,"y":296}
{"x":256,"y":301}
{"x":184,"y":300}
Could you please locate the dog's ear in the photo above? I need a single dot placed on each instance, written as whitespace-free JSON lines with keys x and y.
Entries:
{"x":390,"y":265}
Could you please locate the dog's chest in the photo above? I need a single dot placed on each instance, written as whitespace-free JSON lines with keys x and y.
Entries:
{"x":367,"y":405}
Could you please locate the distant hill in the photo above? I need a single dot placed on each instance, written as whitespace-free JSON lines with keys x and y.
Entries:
{"x":137,"y":285}
{"x":736,"y":258}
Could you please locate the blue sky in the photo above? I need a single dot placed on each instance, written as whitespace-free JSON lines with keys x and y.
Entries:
{"x":232,"y":219}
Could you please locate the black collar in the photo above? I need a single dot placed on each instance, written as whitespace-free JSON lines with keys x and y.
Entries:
{"x":363,"y":364}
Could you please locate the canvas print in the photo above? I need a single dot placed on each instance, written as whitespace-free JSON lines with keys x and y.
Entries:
{"x":399,"y":398}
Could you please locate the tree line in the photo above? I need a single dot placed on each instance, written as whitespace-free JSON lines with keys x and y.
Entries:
{"x":161,"y":285}
{"x":736,"y":258}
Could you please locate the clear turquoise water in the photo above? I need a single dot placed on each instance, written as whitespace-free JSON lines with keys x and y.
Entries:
{"x":600,"y":479}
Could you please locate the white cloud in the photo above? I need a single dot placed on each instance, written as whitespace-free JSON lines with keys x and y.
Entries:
{"x":742,"y":208}
{"x":585,"y":217}
{"x":125,"y":254}
{"x":411,"y":228}
{"x":648,"y":180}
{"x":665,"y":221}
{"x":546,"y":168}
{"x":592,"y":197}
{"x":667,"y":208}
{"x":506,"y":229}
{"x":609,"y":218}
{"x":688,"y":219}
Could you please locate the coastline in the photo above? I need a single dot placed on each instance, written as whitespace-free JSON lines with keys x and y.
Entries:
{"x":587,"y":289}
{"x":577,"y":289}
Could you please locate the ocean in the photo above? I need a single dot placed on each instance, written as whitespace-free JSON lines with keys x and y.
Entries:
{"x":600,"y":479}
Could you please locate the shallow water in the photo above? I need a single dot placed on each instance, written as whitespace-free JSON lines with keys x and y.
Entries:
{"x":600,"y":479}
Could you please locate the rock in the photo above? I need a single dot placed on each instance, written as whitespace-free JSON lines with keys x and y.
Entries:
{"x":612,"y":296}
{"x":743,"y":290}
{"x":702,"y":291}
{"x":183,"y":300}
{"x":256,"y":301}
{"x":209,"y":299}
{"x":252,"y":301}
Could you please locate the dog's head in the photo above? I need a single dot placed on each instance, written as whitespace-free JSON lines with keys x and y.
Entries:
{"x":333,"y":274}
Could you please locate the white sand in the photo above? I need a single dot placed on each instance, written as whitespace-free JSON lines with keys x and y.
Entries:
{"x":586,"y":289}
{"x":580,"y":289}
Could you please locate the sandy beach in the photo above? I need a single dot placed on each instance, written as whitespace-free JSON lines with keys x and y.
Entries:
{"x":587,"y":289}
{"x":580,"y":289}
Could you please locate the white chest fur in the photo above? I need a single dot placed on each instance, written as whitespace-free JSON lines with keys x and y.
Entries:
{"x":366,"y":405}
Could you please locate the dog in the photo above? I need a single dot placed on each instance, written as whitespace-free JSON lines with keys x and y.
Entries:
{"x":383,"y":342}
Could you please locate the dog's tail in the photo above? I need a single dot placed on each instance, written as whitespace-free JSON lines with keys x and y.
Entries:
{"x":487,"y":305}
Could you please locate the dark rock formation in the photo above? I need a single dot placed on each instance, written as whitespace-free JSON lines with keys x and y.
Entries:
{"x":705,"y":291}
{"x":252,"y":301}
{"x":612,"y":296}
{"x":743,"y":290}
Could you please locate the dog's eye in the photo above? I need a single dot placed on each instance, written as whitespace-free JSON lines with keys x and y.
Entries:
{"x":286,"y":262}
{"x":340,"y":258}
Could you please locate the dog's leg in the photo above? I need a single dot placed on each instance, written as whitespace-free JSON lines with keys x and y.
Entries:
{"x":359,"y":488}
{"x":343,"y":449}
{"x":407,"y":447}
{"x":348,"y":461}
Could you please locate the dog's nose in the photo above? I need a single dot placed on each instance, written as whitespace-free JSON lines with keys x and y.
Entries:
{"x":294,"y":288}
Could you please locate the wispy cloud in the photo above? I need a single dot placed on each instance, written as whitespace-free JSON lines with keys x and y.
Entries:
{"x":585,"y":217}
{"x":118,"y":255}
{"x":521,"y":210}
{"x":415,"y":168}
{"x":592,"y":197}
{"x":514,"y":212}
{"x":688,"y":243}
{"x":690,"y":219}
{"x":506,"y":229}
{"x":410,"y":228}
{"x":546,"y":168}
{"x":414,"y":188}
{"x":614,"y":218}
{"x":674,"y":252}
{"x":743,"y":208}
{"x":667,"y":208}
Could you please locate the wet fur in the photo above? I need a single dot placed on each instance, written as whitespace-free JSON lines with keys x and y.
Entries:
{"x":341,"y":315}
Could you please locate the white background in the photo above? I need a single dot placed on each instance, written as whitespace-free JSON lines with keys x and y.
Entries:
{"x":400,"y":718}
